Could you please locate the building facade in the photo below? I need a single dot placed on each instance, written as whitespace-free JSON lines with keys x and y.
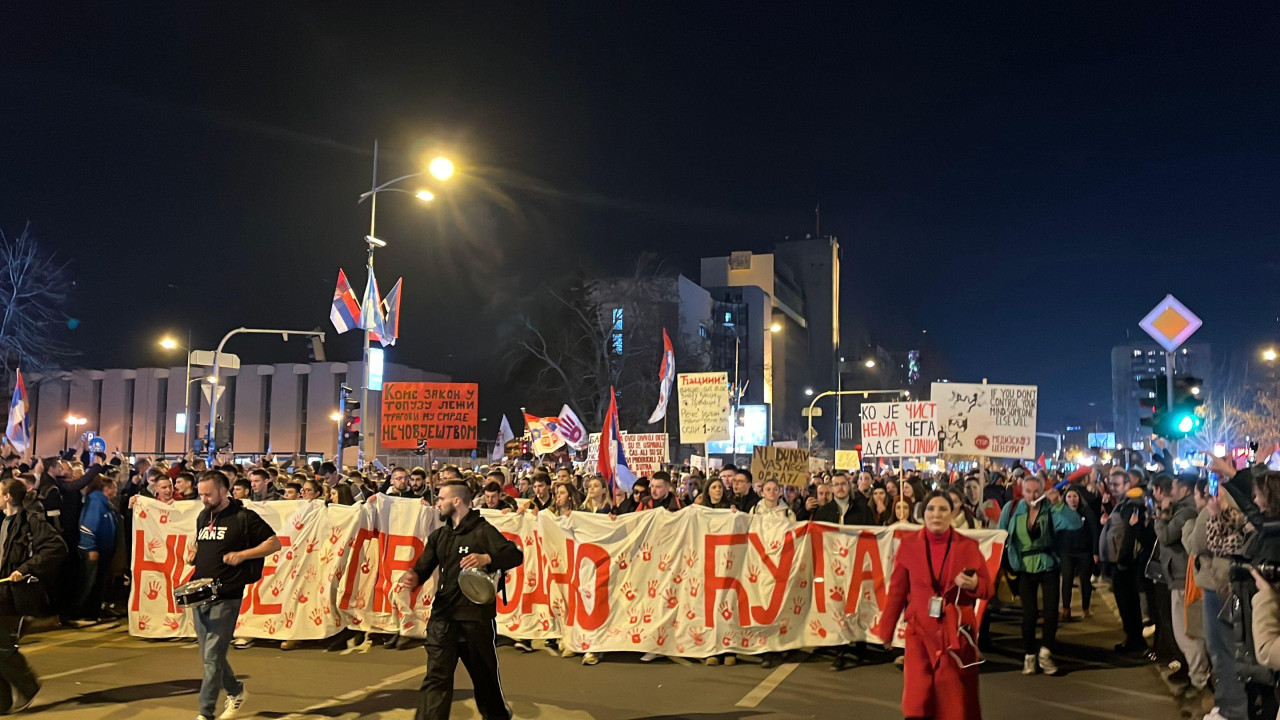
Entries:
{"x":1134,"y":362}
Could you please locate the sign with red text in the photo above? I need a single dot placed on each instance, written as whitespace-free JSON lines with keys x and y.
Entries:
{"x":646,"y":453}
{"x":443,"y":414}
{"x":694,"y":583}
{"x":703,"y":399}
{"x":899,"y":429}
{"x":986,"y":420}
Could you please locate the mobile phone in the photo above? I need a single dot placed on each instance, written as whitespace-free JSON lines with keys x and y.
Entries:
{"x":970,"y":571}
{"x":1213,"y":484}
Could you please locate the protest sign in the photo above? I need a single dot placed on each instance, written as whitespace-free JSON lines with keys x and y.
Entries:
{"x":704,"y":406}
{"x":697,"y":462}
{"x":787,"y":466}
{"x":695,"y":583}
{"x":848,"y":460}
{"x":987,"y":420}
{"x":899,"y":429}
{"x":646,"y":452}
{"x":443,"y":414}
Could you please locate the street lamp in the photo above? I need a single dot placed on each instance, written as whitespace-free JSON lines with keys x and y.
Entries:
{"x":864,"y":393}
{"x":335,"y":416}
{"x":869,"y":363}
{"x":808,"y":391}
{"x":1269,"y":355}
{"x":441,"y":169}
{"x":169,"y":343}
{"x":776,"y":327}
{"x":73,"y":421}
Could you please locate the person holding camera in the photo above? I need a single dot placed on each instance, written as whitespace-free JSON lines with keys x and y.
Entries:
{"x":1178,"y":508}
{"x":938,"y":576}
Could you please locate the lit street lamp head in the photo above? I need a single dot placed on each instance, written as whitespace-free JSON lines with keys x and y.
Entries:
{"x":425,"y":195}
{"x":776,"y":327}
{"x":870,"y":363}
{"x":169,"y":344}
{"x":1269,"y":355}
{"x":441,"y":168}
{"x":808,"y":391}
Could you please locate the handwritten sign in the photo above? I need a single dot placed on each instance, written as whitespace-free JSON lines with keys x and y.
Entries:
{"x":899,"y":429}
{"x":786,"y":466}
{"x":848,"y":460}
{"x":986,"y":420}
{"x":704,"y":406}
{"x":646,"y":452}
{"x":443,"y":415}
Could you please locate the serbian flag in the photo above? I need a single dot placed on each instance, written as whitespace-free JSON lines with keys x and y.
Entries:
{"x":345,"y":313}
{"x":666,"y":375}
{"x":1040,"y":463}
{"x":371,"y":308}
{"x":612,"y":460}
{"x":18,"y":433}
{"x":391,"y":317}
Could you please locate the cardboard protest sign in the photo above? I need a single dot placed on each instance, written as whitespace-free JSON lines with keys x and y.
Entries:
{"x":787,"y":466}
{"x":848,"y":460}
{"x":899,"y":429}
{"x":704,"y":406}
{"x":443,"y":414}
{"x":987,"y":420}
{"x":646,"y":452}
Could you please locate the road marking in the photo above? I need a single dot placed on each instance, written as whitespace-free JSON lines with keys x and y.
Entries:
{"x":680,"y":661}
{"x":1126,"y":691}
{"x":355,"y":694}
{"x":769,"y":684}
{"x":1082,"y":711}
{"x":99,"y":666}
{"x":28,"y":649}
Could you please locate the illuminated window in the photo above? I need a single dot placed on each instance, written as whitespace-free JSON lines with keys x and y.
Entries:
{"x":615,"y":341}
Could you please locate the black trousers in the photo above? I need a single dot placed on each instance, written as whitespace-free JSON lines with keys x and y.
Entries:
{"x":1160,"y":605}
{"x":1077,"y":565}
{"x":1126,"y":585}
{"x":15,"y":673}
{"x":1048,"y":583}
{"x":472,"y":642}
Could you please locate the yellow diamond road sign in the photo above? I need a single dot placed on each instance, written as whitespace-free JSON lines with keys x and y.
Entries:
{"x":1170,"y":323}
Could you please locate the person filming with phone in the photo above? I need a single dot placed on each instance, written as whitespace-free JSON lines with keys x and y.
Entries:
{"x":938,"y":577}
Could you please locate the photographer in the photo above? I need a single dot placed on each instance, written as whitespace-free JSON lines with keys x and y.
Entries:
{"x":1177,"y":509}
{"x":1120,"y":550}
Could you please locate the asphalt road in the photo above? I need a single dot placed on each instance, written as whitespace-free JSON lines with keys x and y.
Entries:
{"x":104,"y":674}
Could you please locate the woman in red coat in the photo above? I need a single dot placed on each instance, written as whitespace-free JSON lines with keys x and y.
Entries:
{"x":938,"y":575}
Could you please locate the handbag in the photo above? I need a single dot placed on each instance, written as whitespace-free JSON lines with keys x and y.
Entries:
{"x":1155,"y":571}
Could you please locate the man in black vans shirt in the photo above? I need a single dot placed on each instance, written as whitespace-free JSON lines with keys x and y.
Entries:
{"x":231,"y":541}
{"x":459,"y":628}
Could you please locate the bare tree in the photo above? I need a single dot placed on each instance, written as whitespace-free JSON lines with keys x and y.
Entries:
{"x":33,"y":297}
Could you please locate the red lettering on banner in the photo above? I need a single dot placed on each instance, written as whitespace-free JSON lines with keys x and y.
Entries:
{"x":781,"y":573}
{"x":390,"y":567}
{"x":599,"y":614}
{"x":816,"y":533}
{"x":515,"y":581}
{"x":538,"y":594}
{"x":717,"y":582}
{"x":171,"y":567}
{"x":252,"y":604}
{"x":353,"y":564}
{"x":868,"y":546}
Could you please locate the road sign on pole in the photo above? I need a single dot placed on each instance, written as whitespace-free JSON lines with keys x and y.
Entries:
{"x":1170,"y":323}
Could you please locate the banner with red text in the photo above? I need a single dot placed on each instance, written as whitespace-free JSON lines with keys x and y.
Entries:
{"x":692,"y":583}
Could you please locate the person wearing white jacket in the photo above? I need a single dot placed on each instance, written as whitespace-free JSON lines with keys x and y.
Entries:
{"x":773,"y":504}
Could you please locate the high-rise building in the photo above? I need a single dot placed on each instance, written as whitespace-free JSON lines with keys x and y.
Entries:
{"x":781,"y":312}
{"x":1134,"y":362}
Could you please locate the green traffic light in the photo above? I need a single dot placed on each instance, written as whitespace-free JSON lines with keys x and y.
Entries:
{"x":1186,"y":424}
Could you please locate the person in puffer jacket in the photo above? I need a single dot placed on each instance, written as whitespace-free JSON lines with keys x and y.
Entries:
{"x":98,"y":523}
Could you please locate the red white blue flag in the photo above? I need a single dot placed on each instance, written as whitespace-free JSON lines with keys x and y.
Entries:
{"x":390,"y":317}
{"x":18,"y":432}
{"x":612,"y":461}
{"x":666,"y":376}
{"x":345,"y":313}
{"x":371,"y":308}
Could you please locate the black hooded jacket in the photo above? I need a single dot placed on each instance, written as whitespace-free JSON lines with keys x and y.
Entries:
{"x":446,"y":547}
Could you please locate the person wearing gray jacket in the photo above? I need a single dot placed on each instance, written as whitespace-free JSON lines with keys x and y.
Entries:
{"x":1177,"y":510}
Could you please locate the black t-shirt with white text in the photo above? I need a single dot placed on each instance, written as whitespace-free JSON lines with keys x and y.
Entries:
{"x":233,"y":528}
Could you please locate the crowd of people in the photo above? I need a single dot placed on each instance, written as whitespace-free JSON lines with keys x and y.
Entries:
{"x":1163,"y":540}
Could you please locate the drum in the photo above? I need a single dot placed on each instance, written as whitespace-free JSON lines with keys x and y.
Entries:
{"x":195,"y":593}
{"x":478,"y":586}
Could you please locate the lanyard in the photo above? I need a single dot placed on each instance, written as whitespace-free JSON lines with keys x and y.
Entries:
{"x":928,"y":552}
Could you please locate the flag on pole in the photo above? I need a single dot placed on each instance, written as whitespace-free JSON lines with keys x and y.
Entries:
{"x":666,"y":375}
{"x":1040,"y":463}
{"x":612,"y":460}
{"x":371,"y":308}
{"x":542,"y":433}
{"x":570,"y":429}
{"x":391,"y":317}
{"x":504,"y":435}
{"x":18,"y":433}
{"x":345,"y":313}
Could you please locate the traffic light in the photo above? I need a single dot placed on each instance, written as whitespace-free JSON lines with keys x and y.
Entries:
{"x":350,"y":423}
{"x":1177,"y":419}
{"x":1155,"y":399}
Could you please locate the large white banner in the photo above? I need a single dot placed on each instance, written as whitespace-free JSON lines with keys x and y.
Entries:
{"x":704,"y":406}
{"x":646,"y":452}
{"x":899,"y":429}
{"x":693,"y":583}
{"x":989,"y":420}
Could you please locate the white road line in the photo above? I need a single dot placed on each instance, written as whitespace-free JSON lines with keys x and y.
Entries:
{"x":99,"y":666}
{"x":1126,"y":691}
{"x":28,"y":649}
{"x":1082,"y":711}
{"x":354,"y":694}
{"x":769,"y":684}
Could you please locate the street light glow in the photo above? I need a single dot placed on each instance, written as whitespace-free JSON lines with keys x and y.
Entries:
{"x":169,"y":343}
{"x":336,"y":416}
{"x":808,"y":391}
{"x":1195,"y":390}
{"x":441,"y":168}
{"x":1269,"y":355}
{"x":776,"y":327}
{"x":870,"y":363}
{"x":425,"y":195}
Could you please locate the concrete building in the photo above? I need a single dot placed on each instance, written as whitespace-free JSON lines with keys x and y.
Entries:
{"x":286,"y":407}
{"x":782,"y":311}
{"x":1135,"y":362}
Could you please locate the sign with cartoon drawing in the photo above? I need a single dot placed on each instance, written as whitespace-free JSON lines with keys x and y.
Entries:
{"x":986,"y":420}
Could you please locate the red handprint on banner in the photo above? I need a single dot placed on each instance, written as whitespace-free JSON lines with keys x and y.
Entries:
{"x":678,"y":577}
{"x":636,"y":635}
{"x":662,"y":636}
{"x":727,"y":640}
{"x":664,"y":563}
{"x":153,"y":590}
{"x":753,"y":573}
{"x":843,"y":550}
{"x":689,"y":613}
{"x":784,"y":627}
{"x":653,"y":589}
{"x":545,"y":622}
{"x":690,"y":559}
{"x":628,"y":592}
{"x":693,"y":587}
{"x":725,"y":611}
{"x":646,"y":552}
{"x":797,"y":605}
{"x":774,"y":545}
{"x":317,"y":617}
{"x":838,"y":570}
{"x":699,"y":636}
{"x":816,"y":627}
{"x":153,"y":546}
{"x":837,"y":594}
{"x":333,"y":536}
{"x":622,"y":562}
{"x":570,"y":430}
{"x":671,"y":598}
{"x":297,"y":522}
{"x":164,"y":518}
{"x":311,"y":546}
{"x":144,"y":621}
{"x":514,"y":625}
{"x":288,"y":619}
{"x":172,"y":622}
{"x":647,"y":616}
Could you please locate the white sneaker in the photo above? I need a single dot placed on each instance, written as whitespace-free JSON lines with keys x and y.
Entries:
{"x":590,"y":659}
{"x":201,"y":717}
{"x":649,"y":657}
{"x":242,"y":643}
{"x":234,"y":703}
{"x":1029,"y":665}
{"x":1214,"y":714}
{"x":1046,"y":662}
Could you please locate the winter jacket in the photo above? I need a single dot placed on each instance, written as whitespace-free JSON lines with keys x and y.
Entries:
{"x":781,"y":510}
{"x":446,"y":546}
{"x":746,"y":502}
{"x":1173,"y":554}
{"x":856,"y":513}
{"x":1084,"y":540}
{"x":32,"y":547}
{"x":98,"y":524}
{"x":1051,"y":520}
{"x":1266,"y":627}
{"x":1114,"y":530}
{"x":1209,"y":571}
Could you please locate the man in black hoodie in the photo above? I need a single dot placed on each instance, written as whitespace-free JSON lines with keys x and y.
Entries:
{"x":459,"y":628}
{"x":744,"y":495}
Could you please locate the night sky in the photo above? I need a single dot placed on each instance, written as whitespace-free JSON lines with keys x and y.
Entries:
{"x":1022,"y":183}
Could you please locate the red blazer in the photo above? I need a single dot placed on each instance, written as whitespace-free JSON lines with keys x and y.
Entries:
{"x":910,"y":587}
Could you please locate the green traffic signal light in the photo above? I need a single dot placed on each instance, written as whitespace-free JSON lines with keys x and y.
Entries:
{"x":1186,"y":423}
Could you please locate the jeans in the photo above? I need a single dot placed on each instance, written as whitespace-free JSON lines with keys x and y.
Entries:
{"x":1048,"y":582}
{"x":1077,"y":565}
{"x":1229,"y":694}
{"x":215,"y":624}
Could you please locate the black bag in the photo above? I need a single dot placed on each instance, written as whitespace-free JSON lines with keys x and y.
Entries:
{"x":29,"y":596}
{"x":253,"y":567}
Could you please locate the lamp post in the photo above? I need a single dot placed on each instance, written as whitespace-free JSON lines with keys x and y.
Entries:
{"x":169,"y":343}
{"x":213,"y":379}
{"x":439,"y":168}
{"x":819,"y":396}
{"x":73,"y":421}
